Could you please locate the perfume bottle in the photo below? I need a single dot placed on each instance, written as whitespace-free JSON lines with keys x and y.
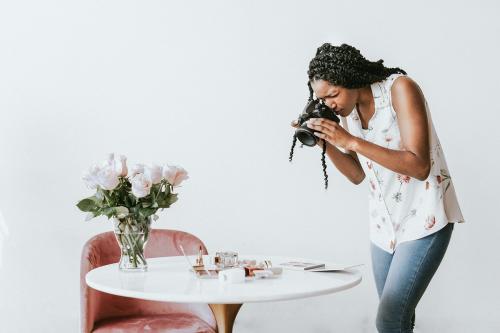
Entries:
{"x":199,"y":259}
{"x":226,"y":259}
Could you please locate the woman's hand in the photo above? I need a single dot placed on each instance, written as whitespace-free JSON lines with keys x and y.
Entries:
{"x":346,"y":163}
{"x":331,"y":132}
{"x":295,"y":124}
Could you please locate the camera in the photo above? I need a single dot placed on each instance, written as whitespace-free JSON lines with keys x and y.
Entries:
{"x":313,"y":109}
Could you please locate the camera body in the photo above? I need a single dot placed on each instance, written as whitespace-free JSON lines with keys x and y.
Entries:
{"x":313,"y":109}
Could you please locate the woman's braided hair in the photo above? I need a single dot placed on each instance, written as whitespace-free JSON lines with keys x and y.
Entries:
{"x":344,"y":66}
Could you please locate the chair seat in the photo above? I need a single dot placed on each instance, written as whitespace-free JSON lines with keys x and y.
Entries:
{"x":167,"y":323}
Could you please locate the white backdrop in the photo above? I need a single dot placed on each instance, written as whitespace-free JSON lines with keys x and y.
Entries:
{"x":213,"y":86}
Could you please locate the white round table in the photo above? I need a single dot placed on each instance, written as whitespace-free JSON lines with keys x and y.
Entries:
{"x":169,"y":279}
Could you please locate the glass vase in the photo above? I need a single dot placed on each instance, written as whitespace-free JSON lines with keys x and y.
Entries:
{"x":132,"y":236}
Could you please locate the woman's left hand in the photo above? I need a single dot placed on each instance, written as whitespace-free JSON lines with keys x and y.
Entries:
{"x":331,"y":132}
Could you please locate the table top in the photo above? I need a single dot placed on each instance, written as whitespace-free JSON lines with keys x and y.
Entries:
{"x":169,"y":279}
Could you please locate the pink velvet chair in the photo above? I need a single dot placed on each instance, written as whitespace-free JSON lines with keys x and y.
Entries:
{"x":105,"y":313}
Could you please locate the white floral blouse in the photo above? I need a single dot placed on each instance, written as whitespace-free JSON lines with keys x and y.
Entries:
{"x":403,"y":208}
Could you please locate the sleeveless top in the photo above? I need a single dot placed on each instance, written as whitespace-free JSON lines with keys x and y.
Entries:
{"x":402,"y":208}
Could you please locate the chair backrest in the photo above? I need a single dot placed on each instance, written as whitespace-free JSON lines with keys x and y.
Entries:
{"x":103,"y":249}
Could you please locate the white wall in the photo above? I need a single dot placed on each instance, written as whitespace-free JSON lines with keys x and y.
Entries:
{"x":213,"y":85}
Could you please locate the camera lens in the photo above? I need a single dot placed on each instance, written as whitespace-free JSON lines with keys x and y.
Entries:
{"x":306,"y":136}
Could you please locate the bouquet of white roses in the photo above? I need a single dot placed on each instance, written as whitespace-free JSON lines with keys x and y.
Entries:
{"x":131,"y":199}
{"x":138,"y":193}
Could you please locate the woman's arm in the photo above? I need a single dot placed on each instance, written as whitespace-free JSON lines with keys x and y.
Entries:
{"x":347,"y":163}
{"x":409,"y":104}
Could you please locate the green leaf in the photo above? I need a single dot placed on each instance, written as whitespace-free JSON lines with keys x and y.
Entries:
{"x":88,"y":204}
{"x":108,"y":211}
{"x":146,"y":212}
{"x":162,"y":203}
{"x":97,"y":213}
{"x":167,"y":200}
{"x":172,"y":198}
{"x":131,"y":200}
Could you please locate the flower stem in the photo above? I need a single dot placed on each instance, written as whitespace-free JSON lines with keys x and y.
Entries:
{"x":159,"y":191}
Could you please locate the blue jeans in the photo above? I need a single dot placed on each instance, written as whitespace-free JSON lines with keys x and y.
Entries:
{"x":402,"y":278}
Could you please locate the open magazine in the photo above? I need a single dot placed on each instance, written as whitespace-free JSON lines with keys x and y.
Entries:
{"x":334,"y":268}
{"x":316,"y":267}
{"x":301,"y":265}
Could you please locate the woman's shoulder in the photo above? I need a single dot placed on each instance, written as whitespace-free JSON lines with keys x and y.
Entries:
{"x":402,"y":86}
{"x":401,"y":83}
{"x":405,"y":94}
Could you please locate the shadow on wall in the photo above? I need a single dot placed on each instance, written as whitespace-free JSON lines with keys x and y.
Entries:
{"x":4,"y":233}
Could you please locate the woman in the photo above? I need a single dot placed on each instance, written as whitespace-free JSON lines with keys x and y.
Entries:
{"x":388,"y":137}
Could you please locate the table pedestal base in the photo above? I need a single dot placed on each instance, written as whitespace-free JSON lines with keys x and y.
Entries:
{"x":225,"y":314}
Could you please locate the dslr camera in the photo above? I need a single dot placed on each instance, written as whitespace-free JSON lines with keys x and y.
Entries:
{"x":313,"y":109}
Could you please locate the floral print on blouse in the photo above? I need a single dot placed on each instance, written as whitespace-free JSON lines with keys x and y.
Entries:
{"x":403,"y":208}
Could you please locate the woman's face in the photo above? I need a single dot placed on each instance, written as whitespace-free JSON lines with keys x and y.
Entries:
{"x":341,"y":99}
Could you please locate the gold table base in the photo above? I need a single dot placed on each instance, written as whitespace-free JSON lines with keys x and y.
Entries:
{"x":225,"y":314}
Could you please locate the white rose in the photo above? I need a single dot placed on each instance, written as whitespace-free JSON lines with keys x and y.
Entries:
{"x":154,"y":173}
{"x":104,"y":176}
{"x":141,"y":185}
{"x":123,"y":168}
{"x":90,"y":177}
{"x":136,"y":169}
{"x":175,"y":175}
{"x":107,"y":178}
